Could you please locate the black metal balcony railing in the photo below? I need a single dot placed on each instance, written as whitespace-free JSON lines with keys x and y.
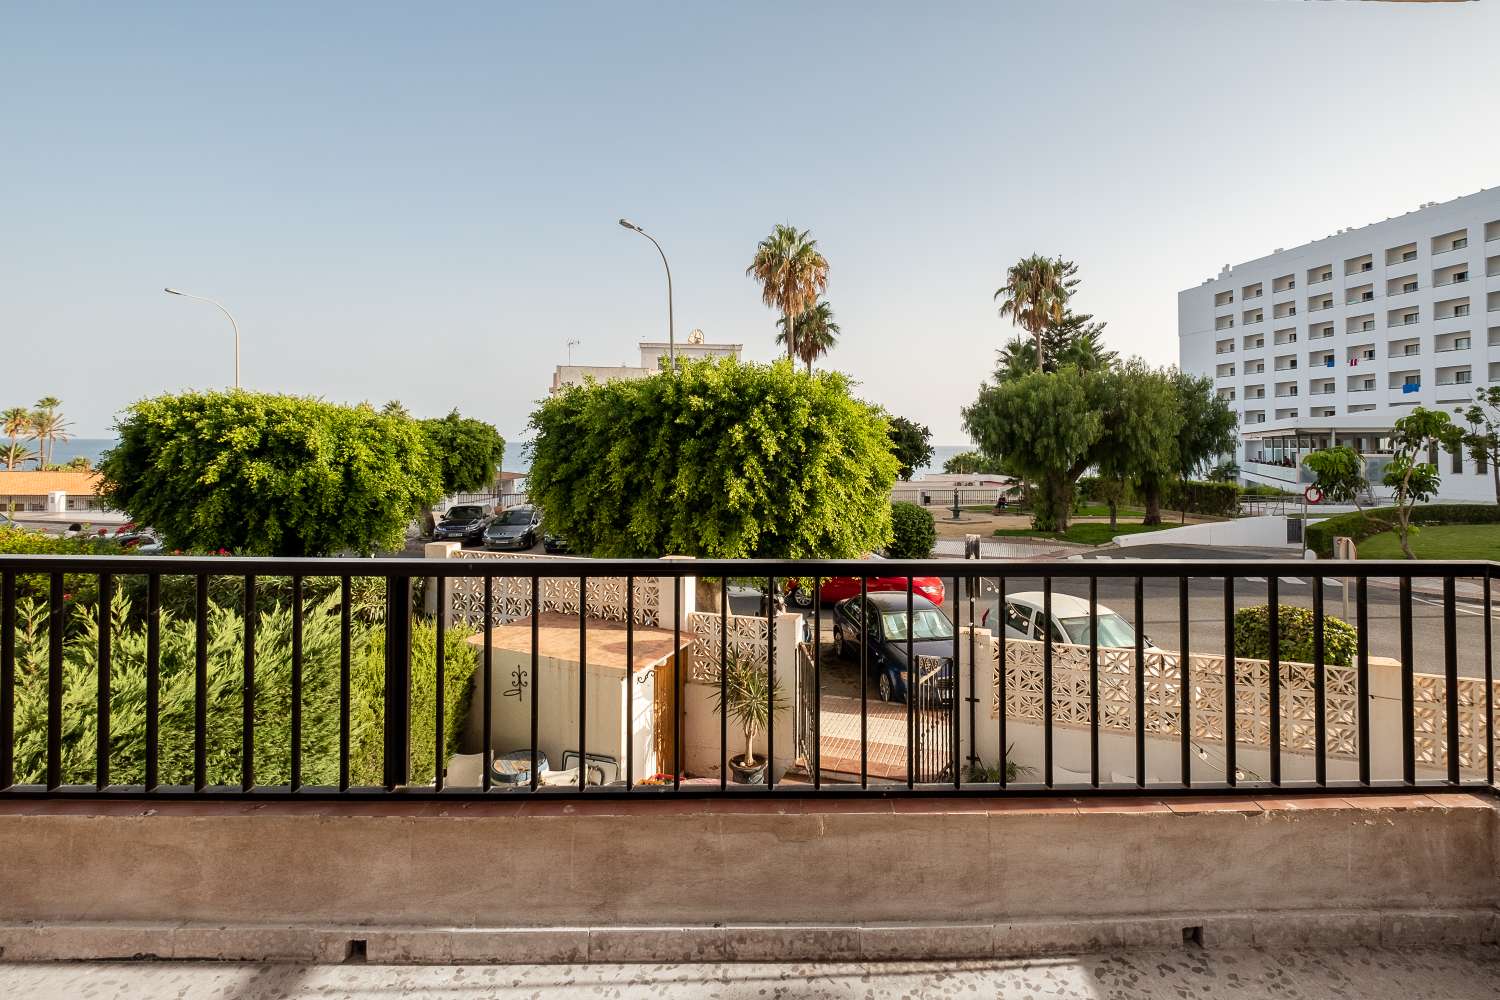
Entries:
{"x":1444,"y":740}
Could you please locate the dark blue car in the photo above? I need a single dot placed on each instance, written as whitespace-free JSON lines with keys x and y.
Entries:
{"x":880,"y":622}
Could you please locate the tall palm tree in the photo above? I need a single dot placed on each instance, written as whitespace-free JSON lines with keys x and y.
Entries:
{"x":814,"y":332}
{"x":792,"y":274}
{"x":15,"y":424}
{"x":1035,"y":296}
{"x":47,"y":428}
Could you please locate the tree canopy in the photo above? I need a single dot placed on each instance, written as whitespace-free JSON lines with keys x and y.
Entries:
{"x":792,"y":272}
{"x":724,"y":459}
{"x":1340,"y":473}
{"x":969,"y":462}
{"x":1143,"y":426}
{"x":265,"y":474}
{"x":468,"y":452}
{"x":1482,"y":439}
{"x":1045,"y":426}
{"x":911,"y":443}
{"x":1412,"y":481}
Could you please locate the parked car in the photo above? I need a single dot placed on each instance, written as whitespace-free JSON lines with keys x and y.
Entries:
{"x":517,"y":528}
{"x":142,"y":543}
{"x":1022,"y":617}
{"x":555,"y":545}
{"x":879,"y":622}
{"x":464,"y":522}
{"x":840,"y":588}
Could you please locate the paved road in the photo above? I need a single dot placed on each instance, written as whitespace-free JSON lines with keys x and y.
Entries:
{"x":1214,"y":974}
{"x":1206,"y":605}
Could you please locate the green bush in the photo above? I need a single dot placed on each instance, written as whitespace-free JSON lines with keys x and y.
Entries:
{"x":273,"y":697}
{"x":721,"y":459}
{"x":914,"y":529}
{"x":78,"y":586}
{"x":1359,"y":526}
{"x":1200,"y":497}
{"x":264,"y":474}
{"x":1252,"y":635}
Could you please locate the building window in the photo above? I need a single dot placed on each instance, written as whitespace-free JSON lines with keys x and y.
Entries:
{"x":1458,"y":462}
{"x":1432,"y":455}
{"x":1481,"y":464}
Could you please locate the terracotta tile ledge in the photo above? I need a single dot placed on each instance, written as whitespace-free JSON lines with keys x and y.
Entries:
{"x":665,"y":804}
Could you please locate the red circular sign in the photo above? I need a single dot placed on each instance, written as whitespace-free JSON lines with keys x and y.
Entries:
{"x":1313,"y":494}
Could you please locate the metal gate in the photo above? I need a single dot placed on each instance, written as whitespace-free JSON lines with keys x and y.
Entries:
{"x":935,"y":735}
{"x":807,"y":706}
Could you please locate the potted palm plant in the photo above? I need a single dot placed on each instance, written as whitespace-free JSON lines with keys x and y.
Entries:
{"x":746,"y":696}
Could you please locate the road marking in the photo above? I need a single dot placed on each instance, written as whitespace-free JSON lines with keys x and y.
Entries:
{"x":1294,"y":581}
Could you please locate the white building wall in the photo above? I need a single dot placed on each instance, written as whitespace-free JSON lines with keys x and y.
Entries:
{"x":1448,"y":370}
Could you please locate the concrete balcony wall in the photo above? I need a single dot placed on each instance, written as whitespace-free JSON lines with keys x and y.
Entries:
{"x":561,"y":881}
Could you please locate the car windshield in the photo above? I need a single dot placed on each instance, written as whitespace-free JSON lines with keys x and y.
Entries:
{"x":463,"y":513}
{"x":1113,"y":631}
{"x":928,"y":624}
{"x":516,"y":517}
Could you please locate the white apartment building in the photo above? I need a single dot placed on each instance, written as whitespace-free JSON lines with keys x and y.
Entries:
{"x":653,"y":360}
{"x":1331,"y":342}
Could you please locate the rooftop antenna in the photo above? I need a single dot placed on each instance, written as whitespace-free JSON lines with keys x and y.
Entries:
{"x":572,"y":344}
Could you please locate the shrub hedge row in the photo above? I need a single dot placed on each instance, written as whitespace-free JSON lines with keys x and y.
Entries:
{"x":914,"y":533}
{"x":1201,"y":497}
{"x":1252,"y":635}
{"x":320,"y":703}
{"x":1359,"y":526}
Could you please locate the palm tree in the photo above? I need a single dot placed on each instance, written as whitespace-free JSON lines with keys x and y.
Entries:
{"x":814,"y":332}
{"x":47,"y":428}
{"x":792,"y":274}
{"x":1035,"y":295}
{"x":15,"y":423}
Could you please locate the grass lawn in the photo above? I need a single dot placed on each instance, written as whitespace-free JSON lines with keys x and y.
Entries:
{"x":1092,"y":533}
{"x":1438,"y":541}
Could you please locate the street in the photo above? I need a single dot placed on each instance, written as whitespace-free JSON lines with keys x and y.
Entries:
{"x":1206,"y":605}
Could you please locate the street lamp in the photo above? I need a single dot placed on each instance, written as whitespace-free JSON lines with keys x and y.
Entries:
{"x":671,"y":335}
{"x":232,"y":323}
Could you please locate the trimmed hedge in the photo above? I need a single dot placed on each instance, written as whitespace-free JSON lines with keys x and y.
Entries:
{"x":224,"y":710}
{"x":1200,"y":497}
{"x":1359,"y":526}
{"x":1252,"y":635}
{"x":914,"y":529}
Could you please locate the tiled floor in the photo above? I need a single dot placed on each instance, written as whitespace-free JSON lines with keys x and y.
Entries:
{"x":1353,"y":974}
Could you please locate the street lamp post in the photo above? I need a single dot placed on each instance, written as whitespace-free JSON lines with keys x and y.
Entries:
{"x":671,"y":334}
{"x":232,"y":323}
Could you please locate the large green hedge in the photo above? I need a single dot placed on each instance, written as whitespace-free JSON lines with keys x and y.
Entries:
{"x":1252,"y":635}
{"x":914,"y":530}
{"x":1202,"y":497}
{"x":265,"y":474}
{"x":1360,"y":526}
{"x":720,"y":459}
{"x":273,"y":698}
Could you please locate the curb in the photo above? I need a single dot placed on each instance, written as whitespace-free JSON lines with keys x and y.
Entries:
{"x":331,"y":944}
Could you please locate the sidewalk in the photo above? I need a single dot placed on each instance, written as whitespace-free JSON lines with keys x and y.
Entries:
{"x":1205,"y":974}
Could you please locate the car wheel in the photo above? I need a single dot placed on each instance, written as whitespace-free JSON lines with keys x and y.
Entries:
{"x":802,"y":598}
{"x":840,"y":651}
{"x":886,"y":689}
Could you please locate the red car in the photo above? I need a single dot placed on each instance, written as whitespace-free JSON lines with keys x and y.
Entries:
{"x":837,"y":588}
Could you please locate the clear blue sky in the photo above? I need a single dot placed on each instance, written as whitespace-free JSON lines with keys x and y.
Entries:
{"x":419,"y":201}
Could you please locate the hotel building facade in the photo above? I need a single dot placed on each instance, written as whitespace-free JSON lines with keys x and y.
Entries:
{"x":1332,"y":341}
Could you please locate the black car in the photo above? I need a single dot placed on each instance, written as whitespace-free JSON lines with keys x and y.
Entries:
{"x":464,"y":523}
{"x":555,"y":545}
{"x":518,"y":528}
{"x":885,"y":640}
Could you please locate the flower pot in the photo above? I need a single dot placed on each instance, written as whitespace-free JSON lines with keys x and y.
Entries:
{"x":742,"y":774}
